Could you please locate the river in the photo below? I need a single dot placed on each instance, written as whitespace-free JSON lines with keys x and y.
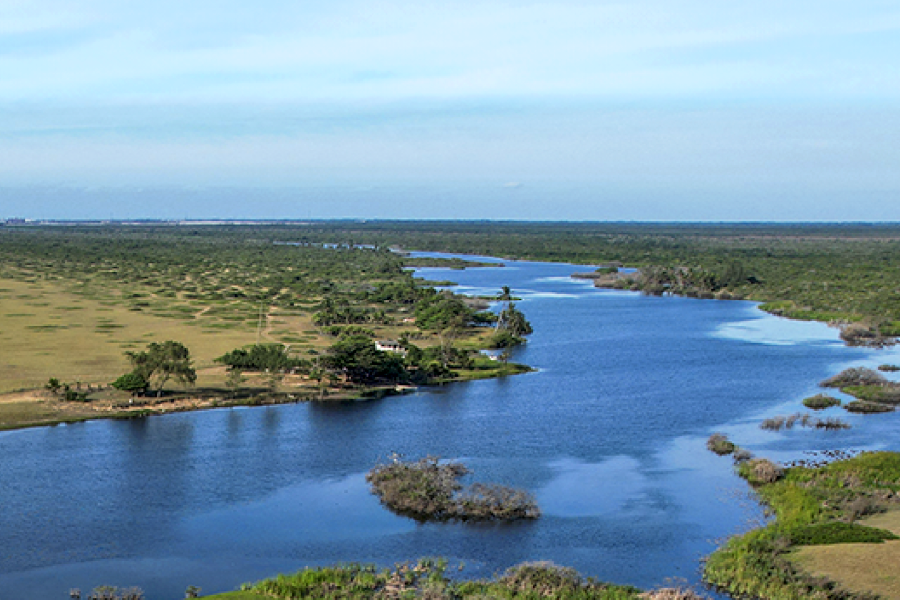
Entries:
{"x":609,"y":434}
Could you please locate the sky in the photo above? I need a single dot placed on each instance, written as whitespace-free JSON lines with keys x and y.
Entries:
{"x":648,"y":110}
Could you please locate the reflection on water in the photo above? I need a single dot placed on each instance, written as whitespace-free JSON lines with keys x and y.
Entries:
{"x":609,"y":434}
{"x":581,"y":489}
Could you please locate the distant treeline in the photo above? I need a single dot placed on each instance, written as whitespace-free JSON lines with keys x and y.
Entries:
{"x":827,"y":272}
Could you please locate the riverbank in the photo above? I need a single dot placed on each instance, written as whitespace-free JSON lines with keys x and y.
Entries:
{"x":427,"y":578}
{"x":826,"y":519}
{"x":40,"y":408}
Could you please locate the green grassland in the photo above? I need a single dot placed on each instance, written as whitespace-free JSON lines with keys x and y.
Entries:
{"x":819,"y":512}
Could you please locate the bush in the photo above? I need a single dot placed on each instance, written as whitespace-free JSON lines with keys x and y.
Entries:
{"x":741,"y":455}
{"x":854,"y":376}
{"x":859,"y":334}
{"x":888,"y":368}
{"x":838,"y":532}
{"x":429,"y":490}
{"x":804,"y":420}
{"x":719,"y":444}
{"x":820,"y":402}
{"x":132,"y":382}
{"x":761,"y":471}
{"x":865,"y":407}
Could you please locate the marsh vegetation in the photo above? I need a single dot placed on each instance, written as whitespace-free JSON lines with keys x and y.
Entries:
{"x":812,"y":506}
{"x":428,"y":578}
{"x":429,"y":490}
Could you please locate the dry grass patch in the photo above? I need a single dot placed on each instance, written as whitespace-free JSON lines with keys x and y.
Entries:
{"x":859,"y":567}
{"x":53,"y":340}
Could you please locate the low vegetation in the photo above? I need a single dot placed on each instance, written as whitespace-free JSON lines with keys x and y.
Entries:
{"x":867,"y":408}
{"x":428,"y":489}
{"x":820,"y":402}
{"x":855,"y":376}
{"x":719,"y":444}
{"x":820,"y":505}
{"x":780,"y":422}
{"x":428,"y":579}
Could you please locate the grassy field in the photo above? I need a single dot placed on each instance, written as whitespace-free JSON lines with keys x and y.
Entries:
{"x":52,"y":332}
{"x":823,"y":526}
{"x":869,"y":568}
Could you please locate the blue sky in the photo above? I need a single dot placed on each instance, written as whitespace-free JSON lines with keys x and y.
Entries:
{"x":639,"y":110}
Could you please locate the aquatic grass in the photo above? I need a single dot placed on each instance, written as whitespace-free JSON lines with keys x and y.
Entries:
{"x":427,"y":579}
{"x":780,"y":422}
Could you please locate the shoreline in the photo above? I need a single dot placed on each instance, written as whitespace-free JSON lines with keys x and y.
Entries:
{"x":182,"y":402}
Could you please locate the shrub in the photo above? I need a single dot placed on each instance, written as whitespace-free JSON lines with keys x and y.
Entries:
{"x":838,"y":532}
{"x":859,"y":334}
{"x":865,"y":407}
{"x":854,"y":376}
{"x":831,"y":423}
{"x":719,"y":444}
{"x":804,"y":420}
{"x":820,"y":402}
{"x":109,"y":592}
{"x":741,"y":455}
{"x":772,"y":423}
{"x":761,"y":471}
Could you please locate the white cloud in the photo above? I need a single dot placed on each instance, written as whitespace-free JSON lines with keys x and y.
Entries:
{"x":205,"y":49}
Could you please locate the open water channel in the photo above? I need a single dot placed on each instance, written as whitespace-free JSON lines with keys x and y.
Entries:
{"x":609,"y":434}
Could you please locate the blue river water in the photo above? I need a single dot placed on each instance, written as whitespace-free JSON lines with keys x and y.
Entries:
{"x":609,"y":434}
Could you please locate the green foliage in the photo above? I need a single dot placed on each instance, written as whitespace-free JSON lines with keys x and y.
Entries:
{"x":133,"y":382}
{"x":442,"y":311}
{"x":261,"y":357}
{"x":812,"y":506}
{"x":53,"y":385}
{"x":719,"y":444}
{"x":361,"y":362}
{"x":427,"y":579}
{"x":820,"y":402}
{"x":513,"y":320}
{"x":349,"y":330}
{"x":886,"y":393}
{"x":168,"y":360}
{"x":837,"y":532}
{"x":504,"y":338}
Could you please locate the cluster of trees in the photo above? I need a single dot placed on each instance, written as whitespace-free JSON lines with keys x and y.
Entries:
{"x":262,"y":357}
{"x":156,"y":365}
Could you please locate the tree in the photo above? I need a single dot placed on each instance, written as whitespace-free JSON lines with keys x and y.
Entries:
{"x":513,"y":320}
{"x":359,"y":359}
{"x":53,"y":385}
{"x":234,"y":380}
{"x":260,"y":357}
{"x":169,"y":360}
{"x":132,"y":382}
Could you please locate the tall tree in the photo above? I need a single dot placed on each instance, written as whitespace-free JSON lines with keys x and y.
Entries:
{"x":161,"y":362}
